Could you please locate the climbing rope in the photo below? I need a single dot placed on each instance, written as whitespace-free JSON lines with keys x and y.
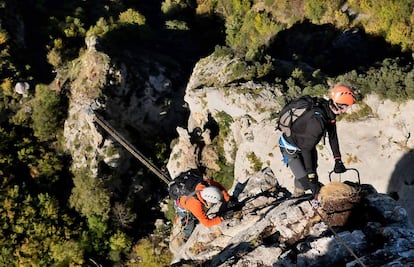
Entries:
{"x":119,"y":138}
{"x":340,"y":239}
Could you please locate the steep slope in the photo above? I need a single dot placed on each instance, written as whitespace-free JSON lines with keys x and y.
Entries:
{"x":354,"y":225}
{"x":373,"y":143}
{"x":363,"y":227}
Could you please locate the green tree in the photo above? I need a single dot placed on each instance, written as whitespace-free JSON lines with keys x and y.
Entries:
{"x":388,"y":18}
{"x":89,"y":197}
{"x":7,"y":158}
{"x":98,"y":234}
{"x":131,"y":16}
{"x":389,"y":79}
{"x":144,"y":254}
{"x":101,"y":28}
{"x":314,"y":10}
{"x":409,"y":84}
{"x":47,"y":113}
{"x":31,"y":224}
{"x":67,"y":253}
{"x":119,"y":244}
{"x":234,"y":12}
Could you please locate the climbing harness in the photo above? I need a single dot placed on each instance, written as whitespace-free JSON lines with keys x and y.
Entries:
{"x":182,"y":214}
{"x":290,"y":149}
{"x":119,"y":138}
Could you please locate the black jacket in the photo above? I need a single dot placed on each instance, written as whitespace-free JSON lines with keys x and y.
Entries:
{"x":308,"y":130}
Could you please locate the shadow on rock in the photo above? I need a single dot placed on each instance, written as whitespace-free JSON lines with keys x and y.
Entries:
{"x":401,"y":185}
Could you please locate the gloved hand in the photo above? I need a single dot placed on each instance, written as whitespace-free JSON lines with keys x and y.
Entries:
{"x":228,"y":215}
{"x":314,"y":185}
{"x":339,"y":166}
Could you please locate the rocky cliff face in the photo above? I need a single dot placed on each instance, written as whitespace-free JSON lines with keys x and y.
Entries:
{"x":353,"y":226}
{"x":356,"y":224}
{"x":270,"y":229}
{"x":142,"y":101}
{"x":378,"y":144}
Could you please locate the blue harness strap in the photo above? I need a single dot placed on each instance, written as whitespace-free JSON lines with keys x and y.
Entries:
{"x":178,"y":206}
{"x":289,"y":148}
{"x":285,"y":144}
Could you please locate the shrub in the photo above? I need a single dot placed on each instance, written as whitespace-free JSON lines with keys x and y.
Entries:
{"x":131,"y":16}
{"x":255,"y":161}
{"x":222,"y":51}
{"x":225,"y":175}
{"x":144,"y":254}
{"x":47,"y":115}
{"x":100,"y":28}
{"x":89,"y":197}
{"x":176,"y":25}
{"x":3,"y":36}
{"x":173,"y":7}
{"x":363,"y":112}
{"x":54,"y":57}
{"x":390,"y":79}
{"x":7,"y":86}
{"x":169,"y":212}
{"x":314,"y":9}
{"x":119,"y":243}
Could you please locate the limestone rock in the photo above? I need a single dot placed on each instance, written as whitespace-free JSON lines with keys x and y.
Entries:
{"x":272,"y":229}
{"x":249,"y":109}
{"x":22,"y":88}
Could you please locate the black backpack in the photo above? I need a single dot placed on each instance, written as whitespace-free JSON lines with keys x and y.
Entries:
{"x":184,"y":184}
{"x":293,"y":110}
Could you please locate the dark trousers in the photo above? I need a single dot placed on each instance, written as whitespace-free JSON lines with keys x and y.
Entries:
{"x":294,"y":161}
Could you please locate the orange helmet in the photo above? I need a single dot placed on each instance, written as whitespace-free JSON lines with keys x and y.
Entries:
{"x":342,"y":95}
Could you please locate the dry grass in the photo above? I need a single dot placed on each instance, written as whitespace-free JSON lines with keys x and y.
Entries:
{"x":335,"y":191}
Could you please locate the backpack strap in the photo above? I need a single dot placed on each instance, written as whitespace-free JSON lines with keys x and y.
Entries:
{"x":320,"y":113}
{"x":194,"y":193}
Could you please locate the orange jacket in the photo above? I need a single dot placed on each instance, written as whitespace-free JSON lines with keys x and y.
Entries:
{"x":195,"y":204}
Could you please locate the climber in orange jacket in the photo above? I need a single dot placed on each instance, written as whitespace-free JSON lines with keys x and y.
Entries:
{"x":205,"y":196}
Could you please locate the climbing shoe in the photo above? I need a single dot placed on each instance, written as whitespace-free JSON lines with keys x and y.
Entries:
{"x":298,"y":192}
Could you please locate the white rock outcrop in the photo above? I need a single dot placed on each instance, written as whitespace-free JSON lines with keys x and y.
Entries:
{"x":377,"y":145}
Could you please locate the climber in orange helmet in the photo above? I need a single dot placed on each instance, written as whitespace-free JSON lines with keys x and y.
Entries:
{"x":299,"y":149}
